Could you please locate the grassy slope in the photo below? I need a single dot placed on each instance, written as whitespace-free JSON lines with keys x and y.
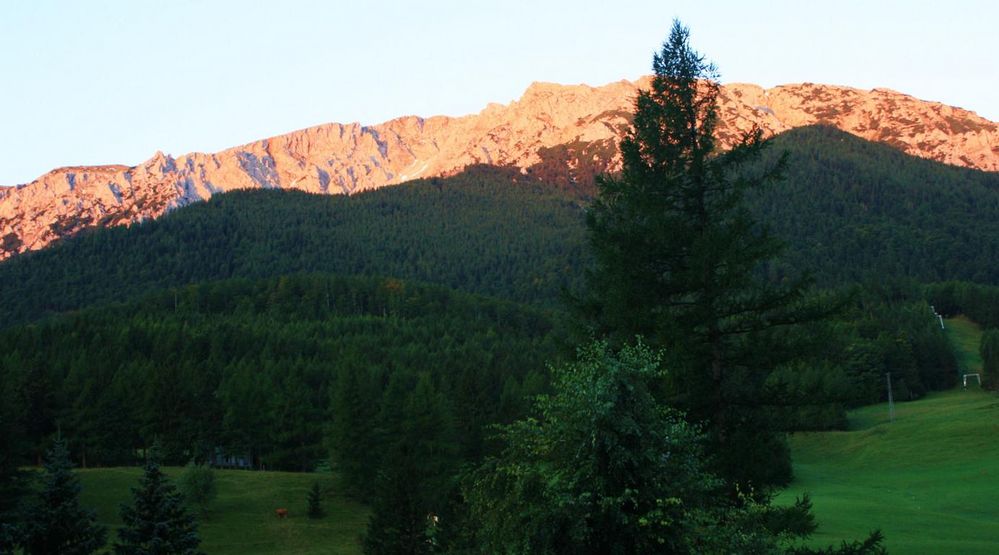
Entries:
{"x":925,"y":479}
{"x":965,"y":336}
{"x":242,"y":518}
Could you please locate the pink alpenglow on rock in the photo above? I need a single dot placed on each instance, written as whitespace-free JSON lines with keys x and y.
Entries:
{"x":348,"y":158}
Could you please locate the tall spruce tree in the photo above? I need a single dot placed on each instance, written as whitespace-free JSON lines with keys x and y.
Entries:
{"x":57,"y":524}
{"x":354,"y":409}
{"x":677,"y":261}
{"x":157,"y":522}
{"x":416,"y":477}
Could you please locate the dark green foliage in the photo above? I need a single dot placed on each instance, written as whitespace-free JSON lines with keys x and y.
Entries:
{"x":56,"y":524}
{"x":353,"y":411}
{"x":796,"y":519}
{"x":26,"y":412}
{"x":197,"y":485}
{"x":602,"y":467}
{"x":486,"y":231}
{"x":856,"y":211}
{"x":260,"y":367}
{"x":314,"y":501}
{"x":417,"y":473}
{"x":14,"y":481}
{"x":811,"y":395}
{"x":980,"y":302}
{"x":397,"y":524}
{"x":892,"y":330}
{"x":678,"y":257}
{"x":990,"y":358}
{"x":872,"y":545}
{"x":156,"y":523}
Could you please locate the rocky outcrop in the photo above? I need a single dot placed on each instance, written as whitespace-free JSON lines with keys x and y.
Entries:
{"x":917,"y":127}
{"x":577,"y":126}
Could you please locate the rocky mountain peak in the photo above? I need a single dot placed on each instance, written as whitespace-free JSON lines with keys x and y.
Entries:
{"x":556,"y":132}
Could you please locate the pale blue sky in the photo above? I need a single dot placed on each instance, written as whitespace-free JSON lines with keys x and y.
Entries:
{"x":93,"y":82}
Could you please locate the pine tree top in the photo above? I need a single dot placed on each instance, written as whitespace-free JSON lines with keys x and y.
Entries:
{"x":57,"y":524}
{"x":157,"y":523}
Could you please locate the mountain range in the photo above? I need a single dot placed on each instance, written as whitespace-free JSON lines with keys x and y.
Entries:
{"x":562,"y":133}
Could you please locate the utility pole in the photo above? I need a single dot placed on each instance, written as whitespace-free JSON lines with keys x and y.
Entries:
{"x":891,"y":401}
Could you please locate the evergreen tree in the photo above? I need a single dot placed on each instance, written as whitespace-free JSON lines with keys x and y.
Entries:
{"x":58,"y":525}
{"x":157,"y":522}
{"x":315,"y":501}
{"x":396,"y":526}
{"x":354,"y":408}
{"x":416,"y":477}
{"x":676,"y":254}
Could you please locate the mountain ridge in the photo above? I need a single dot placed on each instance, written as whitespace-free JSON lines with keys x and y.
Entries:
{"x":335,"y":158}
{"x":849,"y":211}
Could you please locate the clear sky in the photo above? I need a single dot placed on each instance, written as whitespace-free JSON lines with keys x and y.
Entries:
{"x":95,"y":82}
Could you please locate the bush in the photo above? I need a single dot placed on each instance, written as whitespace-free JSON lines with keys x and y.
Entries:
{"x":197,"y":485}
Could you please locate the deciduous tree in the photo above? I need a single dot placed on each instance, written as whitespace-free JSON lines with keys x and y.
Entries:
{"x":197,"y":485}
{"x":602,"y":467}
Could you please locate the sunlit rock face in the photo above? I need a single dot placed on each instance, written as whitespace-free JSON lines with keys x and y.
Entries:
{"x":560,"y":132}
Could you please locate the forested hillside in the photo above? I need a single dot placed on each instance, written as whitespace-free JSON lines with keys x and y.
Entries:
{"x":848,"y":209}
{"x":280,"y":370}
{"x":852,"y":210}
{"x":234,"y":363}
{"x":485,"y":231}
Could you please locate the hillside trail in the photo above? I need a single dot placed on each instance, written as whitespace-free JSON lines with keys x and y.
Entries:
{"x":966,"y":337}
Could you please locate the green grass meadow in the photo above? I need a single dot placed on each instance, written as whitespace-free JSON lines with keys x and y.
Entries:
{"x":242,"y":518}
{"x":927,"y":480}
{"x":965,"y":336}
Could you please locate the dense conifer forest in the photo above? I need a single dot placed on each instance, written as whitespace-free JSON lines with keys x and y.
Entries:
{"x":484,"y":231}
{"x":278,"y":370}
{"x":852,"y":210}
